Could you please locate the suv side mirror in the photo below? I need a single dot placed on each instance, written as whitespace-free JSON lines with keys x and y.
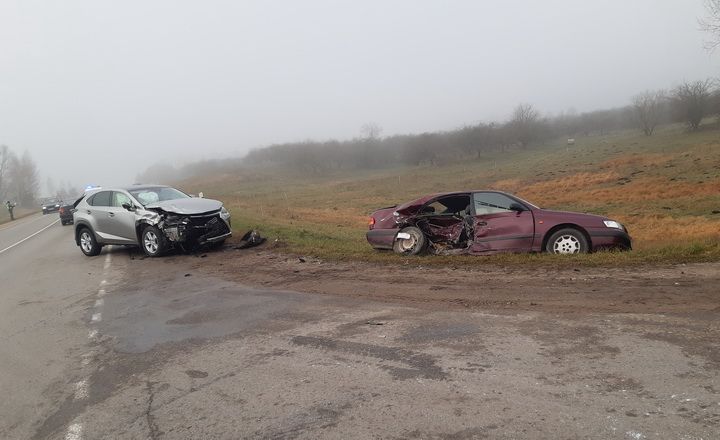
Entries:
{"x":517,"y":207}
{"x":129,"y":207}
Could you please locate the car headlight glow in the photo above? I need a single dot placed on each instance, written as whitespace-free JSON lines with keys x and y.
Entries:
{"x":612,"y":224}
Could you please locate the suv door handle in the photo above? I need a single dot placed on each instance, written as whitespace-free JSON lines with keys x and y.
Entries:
{"x":111,"y":214}
{"x":88,"y":211}
{"x":481,"y":223}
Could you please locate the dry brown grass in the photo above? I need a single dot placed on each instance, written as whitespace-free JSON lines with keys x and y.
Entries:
{"x":583,"y":187}
{"x":658,"y":230}
{"x":637,"y":160}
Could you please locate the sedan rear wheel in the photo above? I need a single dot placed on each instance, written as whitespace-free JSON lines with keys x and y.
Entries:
{"x":567,"y":241}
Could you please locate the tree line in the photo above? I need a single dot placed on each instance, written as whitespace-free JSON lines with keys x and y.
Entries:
{"x":689,"y":103}
{"x":526,"y":128}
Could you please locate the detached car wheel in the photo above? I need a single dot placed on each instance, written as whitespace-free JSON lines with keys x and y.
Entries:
{"x":567,"y":241}
{"x":88,"y":244}
{"x":410,"y":241}
{"x":152,"y":242}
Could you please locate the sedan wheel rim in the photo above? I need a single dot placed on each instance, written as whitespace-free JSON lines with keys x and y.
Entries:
{"x":407,"y":244}
{"x":151,"y":242}
{"x":566,"y":244}
{"x":86,"y":242}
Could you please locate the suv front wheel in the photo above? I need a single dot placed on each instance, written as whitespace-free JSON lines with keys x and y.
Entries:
{"x":152,"y":242}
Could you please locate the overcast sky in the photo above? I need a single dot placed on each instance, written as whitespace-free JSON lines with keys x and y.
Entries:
{"x":99,"y":90}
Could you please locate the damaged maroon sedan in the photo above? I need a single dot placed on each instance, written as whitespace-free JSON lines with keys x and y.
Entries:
{"x":482,"y":222}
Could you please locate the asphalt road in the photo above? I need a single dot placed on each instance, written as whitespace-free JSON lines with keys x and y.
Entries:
{"x":119,"y":346}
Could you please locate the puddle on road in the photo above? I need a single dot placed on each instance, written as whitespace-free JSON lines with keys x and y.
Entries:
{"x":180,"y":308}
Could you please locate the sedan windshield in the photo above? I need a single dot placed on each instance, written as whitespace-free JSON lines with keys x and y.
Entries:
{"x":147,"y":196}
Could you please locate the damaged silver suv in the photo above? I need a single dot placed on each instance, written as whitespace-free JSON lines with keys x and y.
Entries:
{"x":154,"y":217}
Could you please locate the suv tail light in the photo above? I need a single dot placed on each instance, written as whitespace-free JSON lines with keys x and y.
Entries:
{"x":371,"y":222}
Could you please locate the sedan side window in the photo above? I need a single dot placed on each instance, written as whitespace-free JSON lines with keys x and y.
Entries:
{"x":120,"y":198}
{"x":491,"y":203}
{"x":102,"y":198}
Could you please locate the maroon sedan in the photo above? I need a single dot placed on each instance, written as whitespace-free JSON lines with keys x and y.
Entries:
{"x":482,"y":222}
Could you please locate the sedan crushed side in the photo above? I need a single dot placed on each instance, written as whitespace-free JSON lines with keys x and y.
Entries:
{"x":484,"y":222}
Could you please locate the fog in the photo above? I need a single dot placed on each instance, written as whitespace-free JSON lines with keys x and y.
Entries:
{"x":99,"y":90}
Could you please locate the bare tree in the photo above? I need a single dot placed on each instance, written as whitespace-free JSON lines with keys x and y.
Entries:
{"x":24,"y":183}
{"x":524,"y":123}
{"x":371,"y":131}
{"x":692,"y":101}
{"x":5,"y":155}
{"x":648,"y":107}
{"x":711,"y":24}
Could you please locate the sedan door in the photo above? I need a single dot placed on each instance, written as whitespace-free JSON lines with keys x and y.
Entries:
{"x":502,"y":224}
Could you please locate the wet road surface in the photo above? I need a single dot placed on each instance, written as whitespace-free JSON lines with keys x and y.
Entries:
{"x":119,"y":346}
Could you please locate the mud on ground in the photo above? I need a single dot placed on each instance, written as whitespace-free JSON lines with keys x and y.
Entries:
{"x":686,"y":288}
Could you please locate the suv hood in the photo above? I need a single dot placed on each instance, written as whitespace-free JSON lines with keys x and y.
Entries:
{"x":187,"y":206}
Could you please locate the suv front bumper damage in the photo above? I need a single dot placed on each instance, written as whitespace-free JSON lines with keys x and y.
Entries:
{"x":195,"y":229}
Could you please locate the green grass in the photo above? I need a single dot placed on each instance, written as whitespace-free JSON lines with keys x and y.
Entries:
{"x":628,"y":176}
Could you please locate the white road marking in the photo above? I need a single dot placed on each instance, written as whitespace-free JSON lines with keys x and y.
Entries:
{"x":28,"y":237}
{"x":74,"y":432}
{"x":108,"y":260}
{"x":81,"y":390}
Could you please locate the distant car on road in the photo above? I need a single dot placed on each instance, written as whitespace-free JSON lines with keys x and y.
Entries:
{"x":66,"y":214}
{"x":154,"y":217}
{"x":483,"y":222}
{"x":51,"y":206}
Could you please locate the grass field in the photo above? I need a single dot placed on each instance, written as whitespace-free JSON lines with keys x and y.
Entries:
{"x":665,"y":188}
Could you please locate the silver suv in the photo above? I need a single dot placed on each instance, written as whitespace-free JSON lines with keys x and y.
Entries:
{"x":154,"y":217}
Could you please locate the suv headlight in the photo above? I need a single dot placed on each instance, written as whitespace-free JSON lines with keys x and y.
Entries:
{"x":224,"y":212}
{"x":613,"y":224}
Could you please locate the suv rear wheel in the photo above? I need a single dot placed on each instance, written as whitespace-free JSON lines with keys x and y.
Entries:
{"x":88,"y":244}
{"x":152,"y":242}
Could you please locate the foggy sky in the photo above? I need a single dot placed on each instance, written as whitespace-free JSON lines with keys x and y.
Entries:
{"x":98,"y":90}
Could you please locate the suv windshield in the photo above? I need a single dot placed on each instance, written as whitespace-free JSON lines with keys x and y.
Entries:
{"x":148,"y":196}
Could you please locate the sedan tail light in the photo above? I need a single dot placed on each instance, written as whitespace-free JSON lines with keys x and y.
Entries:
{"x":371,"y":222}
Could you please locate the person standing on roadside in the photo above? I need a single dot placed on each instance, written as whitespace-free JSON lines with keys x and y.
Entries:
{"x":10,"y":206}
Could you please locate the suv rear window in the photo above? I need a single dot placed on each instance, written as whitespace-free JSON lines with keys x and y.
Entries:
{"x":100,"y":199}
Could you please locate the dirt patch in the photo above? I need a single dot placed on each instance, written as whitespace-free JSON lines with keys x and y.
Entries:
{"x":688,"y":288}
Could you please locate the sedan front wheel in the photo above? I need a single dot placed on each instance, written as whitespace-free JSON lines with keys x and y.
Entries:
{"x":567,"y":241}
